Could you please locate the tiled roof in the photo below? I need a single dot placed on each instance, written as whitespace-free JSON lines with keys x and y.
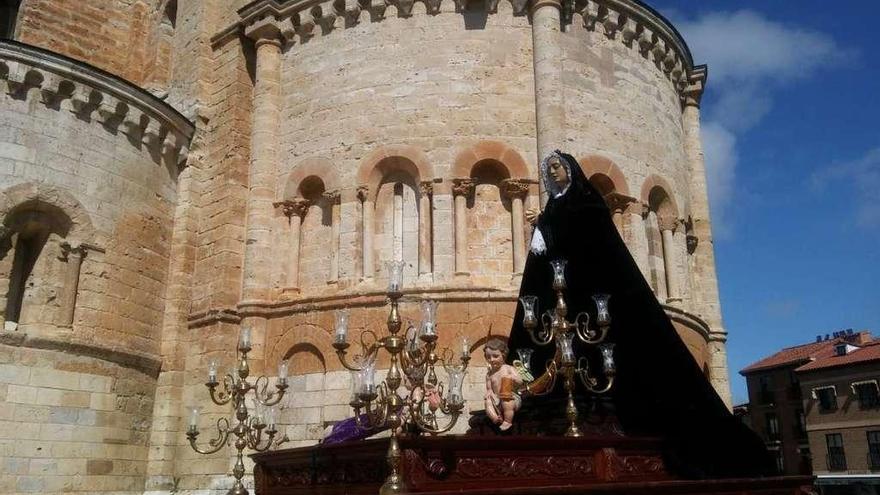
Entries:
{"x":792,"y":355}
{"x":870,"y":352}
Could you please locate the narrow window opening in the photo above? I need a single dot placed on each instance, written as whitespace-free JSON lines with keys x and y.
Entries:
{"x":8,"y":17}
{"x":28,"y":247}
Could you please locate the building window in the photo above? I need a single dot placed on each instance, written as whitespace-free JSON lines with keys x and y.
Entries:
{"x":874,"y":450}
{"x":8,"y":16}
{"x":765,"y":395}
{"x":778,"y":459}
{"x":772,"y":427}
{"x":836,"y":455}
{"x":801,"y":426}
{"x":827,"y":397}
{"x":867,"y":393}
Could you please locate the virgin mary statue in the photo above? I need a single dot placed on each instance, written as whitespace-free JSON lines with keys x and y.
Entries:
{"x":659,"y":389}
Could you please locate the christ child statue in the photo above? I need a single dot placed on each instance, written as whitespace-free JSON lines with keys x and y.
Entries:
{"x":502,"y":400}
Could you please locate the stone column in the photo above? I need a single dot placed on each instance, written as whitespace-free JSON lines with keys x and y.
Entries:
{"x":516,"y":190}
{"x":547,"y":60}
{"x":367,"y":229}
{"x":426,"y":190}
{"x":295,"y":209}
{"x":618,"y":204}
{"x":332,"y":198}
{"x":704,"y":278}
{"x":73,"y":253}
{"x":667,"y":232}
{"x":655,"y":254}
{"x":461,"y":190}
{"x":264,"y":155}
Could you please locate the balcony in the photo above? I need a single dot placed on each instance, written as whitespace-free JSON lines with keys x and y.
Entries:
{"x":836,"y":461}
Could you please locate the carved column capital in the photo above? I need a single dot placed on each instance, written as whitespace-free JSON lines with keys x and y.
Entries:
{"x":332,"y":196}
{"x":426,"y":188}
{"x":265,"y":30}
{"x":619,"y":203}
{"x":294,"y":207}
{"x":463,"y":187}
{"x":668,"y":223}
{"x":363,"y":193}
{"x":516,"y":188}
{"x":694,"y":86}
{"x":73,"y":249}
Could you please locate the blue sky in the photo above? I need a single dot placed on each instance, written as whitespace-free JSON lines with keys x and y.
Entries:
{"x":791,"y":131}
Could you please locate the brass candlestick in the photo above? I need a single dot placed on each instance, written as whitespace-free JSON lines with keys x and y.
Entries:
{"x":555,"y":328}
{"x":413,"y":355}
{"x":250,"y":429}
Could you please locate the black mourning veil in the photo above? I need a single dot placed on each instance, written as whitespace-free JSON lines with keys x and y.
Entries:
{"x":660,"y":389}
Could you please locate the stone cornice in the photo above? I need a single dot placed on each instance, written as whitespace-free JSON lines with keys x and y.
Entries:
{"x":89,"y":92}
{"x":640,"y":27}
{"x":146,"y":363}
{"x":632,"y":22}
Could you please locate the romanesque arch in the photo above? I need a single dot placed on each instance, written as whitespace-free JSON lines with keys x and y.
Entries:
{"x":310,"y":201}
{"x":661,"y":222}
{"x":44,"y":236}
{"x":395,"y":185}
{"x":490,"y":184}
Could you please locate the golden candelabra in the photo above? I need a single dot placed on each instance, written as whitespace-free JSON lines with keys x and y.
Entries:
{"x":254,"y":431}
{"x":554,"y":327}
{"x":413,"y":357}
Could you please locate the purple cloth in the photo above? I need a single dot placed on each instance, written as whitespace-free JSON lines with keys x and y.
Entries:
{"x":348,"y":429}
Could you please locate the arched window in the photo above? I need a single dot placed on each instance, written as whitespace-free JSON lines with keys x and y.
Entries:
{"x":396,"y":234}
{"x":33,"y":278}
{"x":8,"y":18}
{"x":661,"y":223}
{"x":489,"y":246}
{"x":316,"y":238}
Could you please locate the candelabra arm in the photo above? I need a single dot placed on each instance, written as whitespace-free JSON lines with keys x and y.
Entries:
{"x":214,"y":445}
{"x":546,"y":328}
{"x":581,"y":326}
{"x":591,"y":383}
{"x":224,"y":396}
{"x":264,"y":396}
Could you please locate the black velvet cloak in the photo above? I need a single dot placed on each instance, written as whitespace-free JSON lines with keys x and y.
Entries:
{"x":660,"y":390}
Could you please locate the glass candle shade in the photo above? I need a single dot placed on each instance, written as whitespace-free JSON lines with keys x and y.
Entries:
{"x":558,"y":274}
{"x":283,"y":370}
{"x":395,"y":276}
{"x":429,"y":318}
{"x":525,"y":356}
{"x":367,"y":385}
{"x":465,"y":348}
{"x":603,"y":317}
{"x":456,"y":380}
{"x":244,"y":339}
{"x":259,"y":418}
{"x":271,"y":418}
{"x":340,"y":317}
{"x":357,"y":380}
{"x":608,"y":365}
{"x":212,"y":371}
{"x":565,"y":347}
{"x":529,"y":304}
{"x":194,"y":412}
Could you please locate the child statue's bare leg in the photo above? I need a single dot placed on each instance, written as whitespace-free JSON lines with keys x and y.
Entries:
{"x":508,"y":408}
{"x":492,"y":411}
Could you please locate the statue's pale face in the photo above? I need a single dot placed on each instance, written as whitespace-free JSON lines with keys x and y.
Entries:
{"x":494,"y":358}
{"x":557,"y":172}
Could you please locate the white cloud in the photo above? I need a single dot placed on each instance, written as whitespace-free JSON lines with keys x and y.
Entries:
{"x":750,"y":58}
{"x":719,"y":147}
{"x":863,"y":175}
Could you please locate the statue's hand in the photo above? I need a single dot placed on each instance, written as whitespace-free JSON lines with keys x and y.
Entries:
{"x":532,"y":215}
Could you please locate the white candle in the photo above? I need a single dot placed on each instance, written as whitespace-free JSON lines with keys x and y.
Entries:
{"x":283,"y":368}
{"x":194,"y":417}
{"x":212,"y":371}
{"x":244,"y":341}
